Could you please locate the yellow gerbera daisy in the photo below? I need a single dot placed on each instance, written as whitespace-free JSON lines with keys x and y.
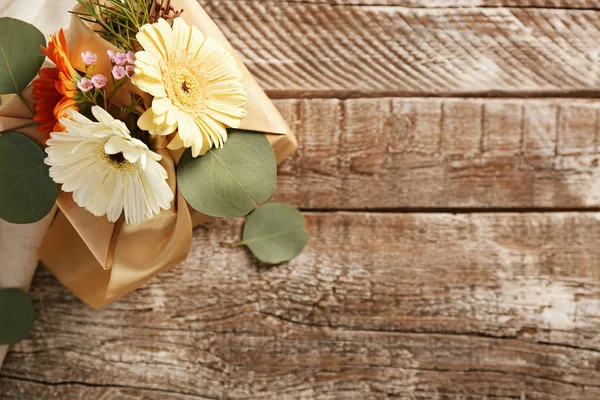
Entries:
{"x":195,"y":83}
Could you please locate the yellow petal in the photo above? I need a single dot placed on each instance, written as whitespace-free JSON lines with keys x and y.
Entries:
{"x":148,"y":84}
{"x":176,"y":143}
{"x":164,"y":33}
{"x":151,"y":72}
{"x":213,"y":130}
{"x":161,"y":105}
{"x":181,"y":34}
{"x":145,"y":122}
{"x":188,"y":130}
{"x":159,"y":119}
{"x":225,"y":109}
{"x":196,"y":41}
{"x":172,"y":116}
{"x":164,"y":129}
{"x":146,"y":58}
{"x":147,"y":38}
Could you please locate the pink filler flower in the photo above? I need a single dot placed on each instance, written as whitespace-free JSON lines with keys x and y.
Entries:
{"x":119,"y":72}
{"x":85,"y":85}
{"x":131,"y":57}
{"x":89,"y":58}
{"x":99,"y":81}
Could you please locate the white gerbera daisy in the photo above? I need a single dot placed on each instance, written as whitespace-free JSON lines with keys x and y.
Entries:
{"x":107,"y":170}
{"x":195,"y":83}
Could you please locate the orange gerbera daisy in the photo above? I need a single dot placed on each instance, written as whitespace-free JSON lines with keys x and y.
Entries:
{"x":55,"y":91}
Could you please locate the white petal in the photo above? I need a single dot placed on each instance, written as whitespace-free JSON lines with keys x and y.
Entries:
{"x":114,"y":145}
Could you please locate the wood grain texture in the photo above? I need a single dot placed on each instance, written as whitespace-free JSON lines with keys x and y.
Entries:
{"x":380,"y":305}
{"x":323,"y":50}
{"x":442,"y":153}
{"x":567,"y":4}
{"x":417,"y":306}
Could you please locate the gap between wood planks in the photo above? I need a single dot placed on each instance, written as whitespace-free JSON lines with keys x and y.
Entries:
{"x":454,"y":210}
{"x":436,"y":5}
{"x":345,"y":95}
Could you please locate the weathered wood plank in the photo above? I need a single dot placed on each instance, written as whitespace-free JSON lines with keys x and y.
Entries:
{"x":26,"y":389}
{"x":419,"y":306}
{"x":587,"y":4}
{"x":442,"y":153}
{"x":320,"y":50}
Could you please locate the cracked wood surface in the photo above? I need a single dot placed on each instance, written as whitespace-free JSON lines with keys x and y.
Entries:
{"x":300,"y":49}
{"x":417,"y":306}
{"x":392,"y":153}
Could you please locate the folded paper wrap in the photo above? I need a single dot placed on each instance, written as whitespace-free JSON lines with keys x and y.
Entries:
{"x":100,"y":261}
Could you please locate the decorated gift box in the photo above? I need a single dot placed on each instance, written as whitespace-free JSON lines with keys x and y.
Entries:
{"x":141,"y":123}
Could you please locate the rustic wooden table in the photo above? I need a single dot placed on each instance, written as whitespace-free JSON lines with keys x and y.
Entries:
{"x":449,"y":173}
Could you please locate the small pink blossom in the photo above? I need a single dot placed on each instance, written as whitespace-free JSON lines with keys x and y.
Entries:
{"x":119,"y":72}
{"x":120,"y":58}
{"x":85,"y":85}
{"x":131,"y":57}
{"x":99,"y":81}
{"x":89,"y":58}
{"x":129,"y":70}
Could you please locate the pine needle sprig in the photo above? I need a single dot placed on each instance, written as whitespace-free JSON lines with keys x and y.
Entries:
{"x":120,"y":20}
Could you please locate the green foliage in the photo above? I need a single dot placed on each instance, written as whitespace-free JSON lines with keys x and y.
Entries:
{"x":20,"y":54}
{"x":231,"y":181}
{"x":275,"y":233}
{"x":16,"y":315}
{"x":27,"y":193}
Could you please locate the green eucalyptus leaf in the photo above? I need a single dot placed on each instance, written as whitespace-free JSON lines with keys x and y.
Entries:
{"x":27,"y":193}
{"x":275,"y":233}
{"x":231,"y":181}
{"x":20,"y":54}
{"x":16,"y":315}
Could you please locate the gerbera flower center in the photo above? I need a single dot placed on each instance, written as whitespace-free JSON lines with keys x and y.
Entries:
{"x":186,"y":89}
{"x":115,"y":161}
{"x":118,"y":158}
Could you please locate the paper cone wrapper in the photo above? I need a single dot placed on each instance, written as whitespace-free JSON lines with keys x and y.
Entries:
{"x":101,"y":261}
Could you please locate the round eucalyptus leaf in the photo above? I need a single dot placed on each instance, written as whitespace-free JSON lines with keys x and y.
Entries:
{"x":20,"y":54}
{"x":27,"y":193}
{"x":231,"y":181}
{"x":16,"y":315}
{"x":275,"y":233}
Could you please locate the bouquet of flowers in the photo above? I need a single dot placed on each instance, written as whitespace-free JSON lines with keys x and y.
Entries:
{"x":142,"y":122}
